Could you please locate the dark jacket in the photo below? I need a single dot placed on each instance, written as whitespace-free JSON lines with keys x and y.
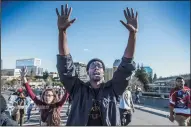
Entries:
{"x":5,"y":120}
{"x":82,"y":94}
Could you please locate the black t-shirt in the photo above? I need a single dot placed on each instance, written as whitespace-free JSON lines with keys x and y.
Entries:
{"x":95,"y":110}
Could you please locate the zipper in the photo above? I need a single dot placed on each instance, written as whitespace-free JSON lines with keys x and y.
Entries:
{"x":100,"y":98}
{"x":90,"y":106}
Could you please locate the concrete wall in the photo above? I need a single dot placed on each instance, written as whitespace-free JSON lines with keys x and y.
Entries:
{"x":155,"y":102}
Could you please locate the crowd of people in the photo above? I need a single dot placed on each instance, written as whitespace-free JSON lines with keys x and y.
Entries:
{"x":94,"y":103}
{"x":23,"y":102}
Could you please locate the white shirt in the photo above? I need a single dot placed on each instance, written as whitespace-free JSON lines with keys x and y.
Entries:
{"x":125,"y":101}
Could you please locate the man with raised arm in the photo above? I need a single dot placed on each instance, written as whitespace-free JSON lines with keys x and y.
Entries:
{"x":94,"y":103}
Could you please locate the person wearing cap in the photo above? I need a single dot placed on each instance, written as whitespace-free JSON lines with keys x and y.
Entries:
{"x":94,"y":103}
{"x":48,"y":103}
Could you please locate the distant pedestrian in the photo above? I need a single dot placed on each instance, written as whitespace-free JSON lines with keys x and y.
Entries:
{"x":126,"y":107}
{"x":30,"y":106}
{"x":180,"y":103}
{"x":21,"y":104}
{"x":137,"y":95}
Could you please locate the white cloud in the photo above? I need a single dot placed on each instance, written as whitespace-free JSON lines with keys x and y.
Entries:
{"x":86,"y":50}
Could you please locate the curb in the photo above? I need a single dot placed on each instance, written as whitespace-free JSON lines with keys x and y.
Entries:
{"x":152,"y":112}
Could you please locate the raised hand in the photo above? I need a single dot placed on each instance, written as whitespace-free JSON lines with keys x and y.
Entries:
{"x":132,"y":21}
{"x":23,"y":73}
{"x":64,"y":19}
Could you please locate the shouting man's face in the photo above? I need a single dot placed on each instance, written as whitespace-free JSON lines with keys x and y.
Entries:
{"x":96,"y":71}
{"x":180,"y":83}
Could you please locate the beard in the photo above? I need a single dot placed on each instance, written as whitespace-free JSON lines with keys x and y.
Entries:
{"x":96,"y":78}
{"x":180,"y":86}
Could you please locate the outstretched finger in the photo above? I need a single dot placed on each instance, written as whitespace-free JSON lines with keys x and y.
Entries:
{"x":123,"y":23}
{"x":25,"y":68}
{"x":57,"y":12}
{"x":129,"y":14}
{"x":26,"y":72}
{"x":132,"y":13}
{"x":69,"y":13}
{"x":66,"y":9}
{"x":73,"y":20}
{"x":62,"y":10}
{"x":136,"y":15}
{"x":125,"y":13}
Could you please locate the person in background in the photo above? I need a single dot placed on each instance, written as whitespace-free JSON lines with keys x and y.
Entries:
{"x":5,"y":120}
{"x":21,"y":105}
{"x":180,"y":103}
{"x":137,"y":95}
{"x":48,"y":103}
{"x":30,"y":105}
{"x":126,"y":107}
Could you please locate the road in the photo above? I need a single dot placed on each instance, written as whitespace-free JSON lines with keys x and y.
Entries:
{"x":138,"y":118}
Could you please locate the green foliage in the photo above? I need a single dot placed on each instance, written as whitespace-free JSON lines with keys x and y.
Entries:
{"x":150,"y":78}
{"x":155,"y":77}
{"x":38,"y":77}
{"x":13,"y":81}
{"x":8,"y":83}
{"x":45,"y":75}
{"x":142,"y":77}
{"x":58,"y":84}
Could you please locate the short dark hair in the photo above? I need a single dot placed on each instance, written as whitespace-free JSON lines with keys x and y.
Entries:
{"x":93,"y":60}
{"x":179,"y":77}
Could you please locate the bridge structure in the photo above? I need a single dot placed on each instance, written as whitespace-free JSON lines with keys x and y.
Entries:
{"x":170,"y":81}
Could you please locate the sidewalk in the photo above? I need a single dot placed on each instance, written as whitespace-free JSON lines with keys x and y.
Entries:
{"x":155,"y":111}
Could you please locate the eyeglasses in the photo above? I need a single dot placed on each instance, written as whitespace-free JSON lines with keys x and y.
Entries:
{"x":96,"y":64}
{"x":48,"y":95}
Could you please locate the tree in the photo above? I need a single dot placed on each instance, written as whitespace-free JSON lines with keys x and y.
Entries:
{"x":138,"y":67}
{"x":58,"y":84}
{"x":150,"y":78}
{"x":38,"y":77}
{"x":13,"y":82}
{"x":142,"y":77}
{"x":8,"y":83}
{"x":45,"y":75}
{"x":155,"y":77}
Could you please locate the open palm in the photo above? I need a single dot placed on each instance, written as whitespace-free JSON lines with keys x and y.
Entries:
{"x":64,"y":19}
{"x":23,"y":72}
{"x":132,"y":20}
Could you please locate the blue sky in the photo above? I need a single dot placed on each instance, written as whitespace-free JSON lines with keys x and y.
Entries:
{"x":29,"y":29}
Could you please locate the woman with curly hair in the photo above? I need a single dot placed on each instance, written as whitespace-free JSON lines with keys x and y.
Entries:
{"x":49,"y":104}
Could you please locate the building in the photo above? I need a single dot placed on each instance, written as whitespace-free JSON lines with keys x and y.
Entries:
{"x":32,"y":64}
{"x":108,"y":74}
{"x":53,"y":75}
{"x":148,"y":70}
{"x":81,"y":71}
{"x":10,"y":72}
{"x":28,"y":62}
{"x":116,"y":64}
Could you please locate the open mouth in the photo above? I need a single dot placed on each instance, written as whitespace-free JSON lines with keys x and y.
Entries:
{"x":96,"y":73}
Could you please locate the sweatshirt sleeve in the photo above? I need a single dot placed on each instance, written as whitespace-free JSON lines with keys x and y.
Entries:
{"x":32,"y":95}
